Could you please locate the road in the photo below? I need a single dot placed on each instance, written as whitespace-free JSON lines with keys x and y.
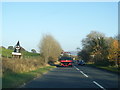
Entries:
{"x":75,"y":77}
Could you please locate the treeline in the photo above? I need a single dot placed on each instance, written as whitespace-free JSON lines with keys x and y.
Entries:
{"x":100,"y":50}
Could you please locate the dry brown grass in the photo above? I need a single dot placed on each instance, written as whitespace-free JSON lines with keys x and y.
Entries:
{"x":21,"y":65}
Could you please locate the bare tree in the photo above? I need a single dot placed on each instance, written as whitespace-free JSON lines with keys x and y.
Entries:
{"x":49,"y":48}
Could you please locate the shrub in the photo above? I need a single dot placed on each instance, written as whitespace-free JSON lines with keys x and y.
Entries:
{"x":103,"y":63}
{"x":112,"y":63}
{"x":21,"y":65}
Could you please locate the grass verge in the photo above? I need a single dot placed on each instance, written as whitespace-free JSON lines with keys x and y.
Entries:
{"x":114,"y":69}
{"x":14,"y":80}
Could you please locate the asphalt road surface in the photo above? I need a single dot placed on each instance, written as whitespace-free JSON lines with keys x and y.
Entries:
{"x":75,"y":77}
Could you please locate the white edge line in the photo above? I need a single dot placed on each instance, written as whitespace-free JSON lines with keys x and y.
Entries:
{"x":99,"y":85}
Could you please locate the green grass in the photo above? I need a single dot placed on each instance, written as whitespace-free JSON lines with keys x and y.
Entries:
{"x":10,"y":79}
{"x":30,"y":54}
{"x":13,"y":80}
{"x":8,"y":53}
{"x":109,"y":68}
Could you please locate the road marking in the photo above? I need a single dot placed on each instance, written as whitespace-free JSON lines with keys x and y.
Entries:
{"x":76,"y":68}
{"x":84,"y":74}
{"x":81,"y":71}
{"x":99,"y":85}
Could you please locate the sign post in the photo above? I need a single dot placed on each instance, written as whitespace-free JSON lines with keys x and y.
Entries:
{"x":16,"y":53}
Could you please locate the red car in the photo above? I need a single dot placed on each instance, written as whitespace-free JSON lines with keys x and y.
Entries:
{"x":66,"y":61}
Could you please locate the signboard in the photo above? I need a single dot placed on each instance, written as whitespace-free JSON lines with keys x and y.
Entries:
{"x":16,"y":52}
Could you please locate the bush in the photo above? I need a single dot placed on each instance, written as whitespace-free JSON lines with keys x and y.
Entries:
{"x":103,"y":63}
{"x":21,"y":65}
{"x":112,"y":63}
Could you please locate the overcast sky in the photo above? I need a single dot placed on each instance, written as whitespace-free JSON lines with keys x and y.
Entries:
{"x":67,"y":22}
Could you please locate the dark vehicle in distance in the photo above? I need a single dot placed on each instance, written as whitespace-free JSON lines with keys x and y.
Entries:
{"x":81,"y":62}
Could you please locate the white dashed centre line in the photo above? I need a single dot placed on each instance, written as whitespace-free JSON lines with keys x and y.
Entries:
{"x":99,"y":85}
{"x":84,"y":74}
{"x":76,"y":68}
{"x":81,"y":72}
{"x":93,"y":81}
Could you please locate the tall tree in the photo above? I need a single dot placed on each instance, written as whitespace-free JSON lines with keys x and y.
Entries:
{"x":113,"y":52}
{"x":95,"y":44}
{"x":84,"y":55}
{"x":50,"y":49}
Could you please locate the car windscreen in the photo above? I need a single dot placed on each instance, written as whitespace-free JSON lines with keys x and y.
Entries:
{"x":65,"y":58}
